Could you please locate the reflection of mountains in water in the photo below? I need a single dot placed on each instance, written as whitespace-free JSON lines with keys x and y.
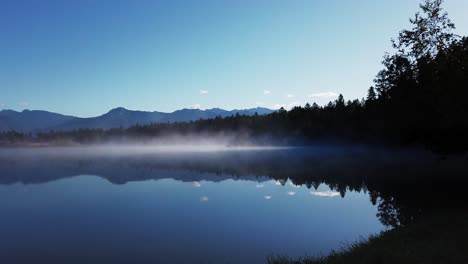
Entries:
{"x":31,"y":169}
{"x":404,"y":183}
{"x":334,"y":165}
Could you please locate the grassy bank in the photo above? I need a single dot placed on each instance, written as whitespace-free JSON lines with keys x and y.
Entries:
{"x":438,"y":239}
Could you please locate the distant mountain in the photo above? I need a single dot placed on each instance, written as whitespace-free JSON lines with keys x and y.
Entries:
{"x":30,"y":121}
{"x":36,"y":121}
{"x":5,"y":124}
{"x":118,"y":117}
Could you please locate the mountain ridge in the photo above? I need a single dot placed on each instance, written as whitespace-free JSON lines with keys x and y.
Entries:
{"x":33,"y":121}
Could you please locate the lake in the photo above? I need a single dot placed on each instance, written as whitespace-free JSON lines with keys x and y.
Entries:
{"x":128,"y":205}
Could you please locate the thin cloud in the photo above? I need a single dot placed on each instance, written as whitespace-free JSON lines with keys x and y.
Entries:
{"x":286,"y":106}
{"x":196,"y":106}
{"x":325,"y":194}
{"x":290,"y":95}
{"x":23,"y":104}
{"x":259,"y":185}
{"x":266,"y":92}
{"x":203,"y":91}
{"x":278,"y":106}
{"x":204,"y":199}
{"x":259,"y":103}
{"x":323,"y":95}
{"x":293,"y":185}
{"x":267,"y":197}
{"x":196,"y":184}
{"x":292,"y":104}
{"x":291,"y":193}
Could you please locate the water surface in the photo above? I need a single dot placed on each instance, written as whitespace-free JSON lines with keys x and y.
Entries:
{"x":212,"y":207}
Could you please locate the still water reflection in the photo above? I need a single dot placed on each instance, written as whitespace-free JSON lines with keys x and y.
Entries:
{"x":238,"y":207}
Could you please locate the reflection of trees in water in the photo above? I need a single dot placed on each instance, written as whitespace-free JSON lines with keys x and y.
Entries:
{"x":403,"y":184}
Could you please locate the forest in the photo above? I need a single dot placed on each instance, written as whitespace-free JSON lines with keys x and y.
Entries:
{"x":418,"y":98}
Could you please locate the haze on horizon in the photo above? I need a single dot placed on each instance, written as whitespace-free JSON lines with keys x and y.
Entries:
{"x":84,"y":58}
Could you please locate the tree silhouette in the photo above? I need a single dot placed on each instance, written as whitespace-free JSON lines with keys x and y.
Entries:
{"x":371,"y":95}
{"x":431,"y":32}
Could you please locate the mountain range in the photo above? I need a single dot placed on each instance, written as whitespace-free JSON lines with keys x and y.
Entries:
{"x":30,"y":121}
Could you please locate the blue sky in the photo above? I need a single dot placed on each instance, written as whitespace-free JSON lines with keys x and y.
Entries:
{"x":85,"y":57}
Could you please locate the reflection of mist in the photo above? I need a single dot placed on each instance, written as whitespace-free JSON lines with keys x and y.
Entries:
{"x":388,"y":173}
{"x":129,"y":149}
{"x":325,"y":194}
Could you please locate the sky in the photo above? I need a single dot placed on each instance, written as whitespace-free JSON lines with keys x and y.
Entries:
{"x":86,"y":57}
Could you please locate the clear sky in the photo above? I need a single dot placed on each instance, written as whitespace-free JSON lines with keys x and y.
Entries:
{"x":88,"y":56}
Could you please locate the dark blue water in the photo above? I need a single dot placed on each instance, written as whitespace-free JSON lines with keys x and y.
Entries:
{"x":168,"y":209}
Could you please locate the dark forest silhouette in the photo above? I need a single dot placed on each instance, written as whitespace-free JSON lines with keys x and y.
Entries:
{"x":419,"y":98}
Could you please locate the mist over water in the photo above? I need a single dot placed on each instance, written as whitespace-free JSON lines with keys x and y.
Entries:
{"x":129,"y":150}
{"x":201,"y":142}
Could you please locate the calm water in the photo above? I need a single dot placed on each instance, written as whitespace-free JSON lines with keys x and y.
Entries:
{"x":66,"y":206}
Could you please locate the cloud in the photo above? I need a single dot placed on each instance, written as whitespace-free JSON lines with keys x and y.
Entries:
{"x":323,"y":95}
{"x":23,"y":104}
{"x":286,"y":106}
{"x":325,"y":194}
{"x":196,"y":106}
{"x":203,"y":91}
{"x":259,"y":103}
{"x":290,"y":95}
{"x":278,"y":106}
{"x":277,"y":183}
{"x":204,"y":199}
{"x":291,"y":193}
{"x":266,"y":92}
{"x":196,"y":184}
{"x":293,"y":185}
{"x":292,"y":104}
{"x":259,"y":186}
{"x":267,"y":197}
{"x":2,"y":105}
